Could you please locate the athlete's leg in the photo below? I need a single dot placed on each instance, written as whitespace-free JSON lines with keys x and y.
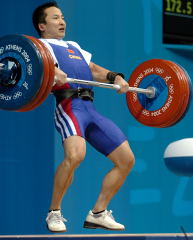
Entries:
{"x":123,"y":160}
{"x":75,"y":149}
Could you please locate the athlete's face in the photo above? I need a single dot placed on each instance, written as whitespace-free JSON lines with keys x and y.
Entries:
{"x":55,"y":25}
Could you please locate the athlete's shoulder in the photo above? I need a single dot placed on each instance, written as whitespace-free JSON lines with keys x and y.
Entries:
{"x":60,"y":42}
{"x":55,"y":42}
{"x":75,"y":44}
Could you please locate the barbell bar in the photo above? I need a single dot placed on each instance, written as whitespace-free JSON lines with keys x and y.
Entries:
{"x":149,"y":92}
{"x":158,"y":96}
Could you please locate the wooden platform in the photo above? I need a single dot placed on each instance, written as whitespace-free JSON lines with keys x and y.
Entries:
{"x":169,"y":236}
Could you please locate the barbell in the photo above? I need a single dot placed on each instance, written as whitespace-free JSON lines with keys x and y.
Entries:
{"x":158,"y":95}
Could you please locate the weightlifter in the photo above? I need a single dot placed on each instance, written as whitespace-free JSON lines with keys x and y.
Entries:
{"x":77,"y":120}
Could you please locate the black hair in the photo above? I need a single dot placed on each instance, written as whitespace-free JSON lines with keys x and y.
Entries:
{"x":39,"y":14}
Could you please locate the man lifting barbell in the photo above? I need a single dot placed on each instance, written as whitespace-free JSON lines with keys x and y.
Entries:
{"x":159,"y":97}
{"x":77,"y":121}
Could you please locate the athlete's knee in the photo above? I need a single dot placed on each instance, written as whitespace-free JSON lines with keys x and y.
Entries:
{"x":131,"y":161}
{"x":74,"y":158}
{"x":126,"y":163}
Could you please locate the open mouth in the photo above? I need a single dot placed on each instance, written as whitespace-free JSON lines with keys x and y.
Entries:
{"x":61,"y":29}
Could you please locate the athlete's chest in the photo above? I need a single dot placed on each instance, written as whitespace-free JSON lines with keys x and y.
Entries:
{"x":68,"y":54}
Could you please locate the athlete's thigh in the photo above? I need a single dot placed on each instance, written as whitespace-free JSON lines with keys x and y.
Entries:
{"x":70,"y":121}
{"x":104,"y":135}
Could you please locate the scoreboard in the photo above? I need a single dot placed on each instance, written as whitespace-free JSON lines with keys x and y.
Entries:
{"x":178,"y":21}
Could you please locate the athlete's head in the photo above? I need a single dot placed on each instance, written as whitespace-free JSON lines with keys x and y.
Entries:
{"x":48,"y":21}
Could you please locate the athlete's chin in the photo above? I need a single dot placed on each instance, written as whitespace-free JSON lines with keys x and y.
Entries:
{"x":60,"y":35}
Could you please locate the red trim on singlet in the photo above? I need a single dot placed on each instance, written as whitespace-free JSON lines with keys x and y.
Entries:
{"x":67,"y":107}
{"x":65,"y":86}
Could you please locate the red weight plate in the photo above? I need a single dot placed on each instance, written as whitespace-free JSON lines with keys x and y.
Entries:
{"x":174,"y":117}
{"x":186,"y":96}
{"x":163,"y":109}
{"x":48,"y":77}
{"x":185,"y":89}
{"x":180,"y":75}
{"x":51,"y":68}
{"x":49,"y":80}
{"x":37,"y":97}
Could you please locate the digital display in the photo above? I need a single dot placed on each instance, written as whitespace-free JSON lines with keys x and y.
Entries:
{"x":178,"y":21}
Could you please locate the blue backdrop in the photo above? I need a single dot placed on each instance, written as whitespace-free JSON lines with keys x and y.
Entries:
{"x":120,"y":35}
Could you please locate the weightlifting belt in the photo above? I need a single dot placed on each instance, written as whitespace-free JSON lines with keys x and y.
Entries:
{"x":83,"y":93}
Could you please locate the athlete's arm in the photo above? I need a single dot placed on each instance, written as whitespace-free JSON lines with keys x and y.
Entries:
{"x":60,"y":77}
{"x":99,"y":74}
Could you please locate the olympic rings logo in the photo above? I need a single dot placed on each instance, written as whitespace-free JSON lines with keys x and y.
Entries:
{"x":171,"y":88}
{"x":159,"y":70}
{"x":17,"y":95}
{"x":145,"y":112}
{"x":29,"y":69}
{"x":134,"y":97}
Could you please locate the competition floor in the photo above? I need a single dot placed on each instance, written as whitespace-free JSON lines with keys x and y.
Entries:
{"x":187,"y":236}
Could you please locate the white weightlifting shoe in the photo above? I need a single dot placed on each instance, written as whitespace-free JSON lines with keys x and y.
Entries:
{"x":102,"y":220}
{"x":55,"y":221}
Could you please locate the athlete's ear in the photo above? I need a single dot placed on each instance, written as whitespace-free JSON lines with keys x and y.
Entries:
{"x":42,"y":27}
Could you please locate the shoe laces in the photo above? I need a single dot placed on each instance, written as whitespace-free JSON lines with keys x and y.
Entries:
{"x":56,"y":217}
{"x":109,"y":213}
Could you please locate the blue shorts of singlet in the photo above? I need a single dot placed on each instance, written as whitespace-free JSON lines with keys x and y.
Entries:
{"x":77,"y":117}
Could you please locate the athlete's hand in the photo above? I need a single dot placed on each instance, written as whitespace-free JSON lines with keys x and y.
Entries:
{"x":124,"y":86}
{"x":60,"y":77}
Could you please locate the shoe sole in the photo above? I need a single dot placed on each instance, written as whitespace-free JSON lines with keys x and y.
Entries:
{"x":95,"y":226}
{"x":55,"y":231}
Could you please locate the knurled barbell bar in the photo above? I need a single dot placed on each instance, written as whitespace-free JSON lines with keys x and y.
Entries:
{"x":158,"y":95}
